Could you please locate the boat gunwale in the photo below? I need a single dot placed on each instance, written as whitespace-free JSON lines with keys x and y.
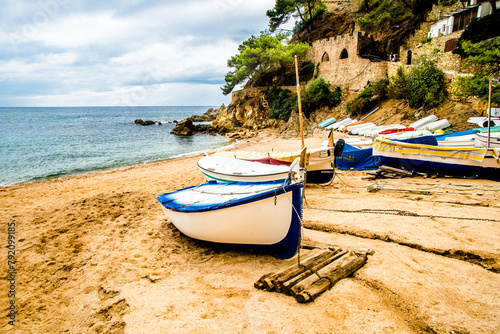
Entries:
{"x":282,"y":188}
{"x":243,"y":175}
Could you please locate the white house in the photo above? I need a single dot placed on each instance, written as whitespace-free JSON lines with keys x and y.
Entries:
{"x":460,"y":19}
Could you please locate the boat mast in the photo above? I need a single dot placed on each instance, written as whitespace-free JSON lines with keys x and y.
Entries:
{"x":300,"y":105}
{"x":489,"y":115}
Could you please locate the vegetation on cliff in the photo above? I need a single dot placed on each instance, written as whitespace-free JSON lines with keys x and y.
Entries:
{"x":307,"y":10}
{"x":423,"y":86}
{"x":265,"y":63}
{"x":479,"y":47}
{"x":368,"y":98}
{"x":317,"y":95}
{"x":260,"y":54}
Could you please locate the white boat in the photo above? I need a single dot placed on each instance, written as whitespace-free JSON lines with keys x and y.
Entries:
{"x":339,"y":124}
{"x":318,"y":162}
{"x":434,"y":126}
{"x":327,"y":122}
{"x":356,"y":129}
{"x":481,"y":140}
{"x":235,"y":170}
{"x":259,"y":215}
{"x":459,"y":141}
{"x":406,"y":134}
{"x":483,"y":121}
{"x":371,"y":132}
{"x":423,"y":121}
{"x":437,"y":160}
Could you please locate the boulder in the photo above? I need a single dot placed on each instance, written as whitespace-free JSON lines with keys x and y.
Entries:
{"x":144,"y":123}
{"x":210,"y":115}
{"x":184,"y":128}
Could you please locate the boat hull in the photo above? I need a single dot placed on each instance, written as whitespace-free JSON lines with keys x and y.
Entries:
{"x":269,"y":220}
{"x":319,"y":164}
{"x":234,"y":170}
{"x":326,"y":123}
{"x":443,"y":161}
{"x":481,"y":140}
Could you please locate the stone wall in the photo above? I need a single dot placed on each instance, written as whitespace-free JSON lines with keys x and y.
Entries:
{"x":414,"y":48}
{"x":340,"y":63}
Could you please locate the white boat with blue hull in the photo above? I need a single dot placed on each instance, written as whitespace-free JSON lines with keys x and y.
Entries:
{"x":438,"y":160}
{"x":224,"y":169}
{"x":262,"y":215}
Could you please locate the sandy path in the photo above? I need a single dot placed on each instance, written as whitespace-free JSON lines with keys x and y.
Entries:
{"x":95,"y":254}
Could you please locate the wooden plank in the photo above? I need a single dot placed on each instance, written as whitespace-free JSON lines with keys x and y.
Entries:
{"x":325,"y":283}
{"x":325,"y":271}
{"x":286,"y":286}
{"x":267,"y":280}
{"x":395,"y":170}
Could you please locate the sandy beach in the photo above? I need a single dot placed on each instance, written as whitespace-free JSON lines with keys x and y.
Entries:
{"x":96,"y":254}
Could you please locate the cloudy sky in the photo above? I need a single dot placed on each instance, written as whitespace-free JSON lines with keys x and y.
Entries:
{"x":121,"y":52}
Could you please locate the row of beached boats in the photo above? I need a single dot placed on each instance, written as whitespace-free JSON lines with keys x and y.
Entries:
{"x":254,"y":199}
{"x":422,"y":147}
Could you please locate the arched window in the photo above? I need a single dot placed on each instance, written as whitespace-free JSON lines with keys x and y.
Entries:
{"x":408,"y":60}
{"x":325,"y":57}
{"x":344,"y":54}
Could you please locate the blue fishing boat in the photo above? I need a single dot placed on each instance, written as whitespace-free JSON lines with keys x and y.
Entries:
{"x":264,"y":215}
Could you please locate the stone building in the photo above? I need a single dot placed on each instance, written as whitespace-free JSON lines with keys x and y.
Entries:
{"x":343,"y":60}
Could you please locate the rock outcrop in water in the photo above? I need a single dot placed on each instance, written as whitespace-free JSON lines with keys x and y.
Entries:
{"x":145,"y":123}
{"x":184,"y":128}
{"x":187,"y":127}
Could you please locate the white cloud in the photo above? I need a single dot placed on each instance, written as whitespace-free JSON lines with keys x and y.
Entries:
{"x":67,"y":52}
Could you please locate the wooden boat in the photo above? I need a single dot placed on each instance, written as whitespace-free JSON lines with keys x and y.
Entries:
{"x":318,"y":162}
{"x":235,"y":170}
{"x":437,"y":160}
{"x":481,"y":140}
{"x":260,"y":215}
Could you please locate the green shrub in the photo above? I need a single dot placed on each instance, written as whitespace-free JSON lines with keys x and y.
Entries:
{"x":475,"y":86}
{"x":424,"y":86}
{"x":368,"y":97}
{"x":360,"y":102}
{"x":397,"y":88}
{"x":384,"y":12}
{"x":479,"y":30}
{"x":318,"y":95}
{"x":306,"y":73}
{"x":281,"y":102}
{"x":426,"y":40}
{"x":380,"y":88}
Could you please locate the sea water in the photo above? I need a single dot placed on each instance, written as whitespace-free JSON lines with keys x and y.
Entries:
{"x":40,"y":143}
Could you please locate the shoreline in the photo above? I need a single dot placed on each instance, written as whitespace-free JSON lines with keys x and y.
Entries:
{"x":95,"y":253}
{"x":106,"y":169}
